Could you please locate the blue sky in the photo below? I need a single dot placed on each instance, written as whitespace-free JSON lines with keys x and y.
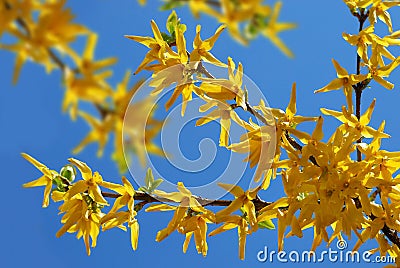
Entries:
{"x":32,"y":122}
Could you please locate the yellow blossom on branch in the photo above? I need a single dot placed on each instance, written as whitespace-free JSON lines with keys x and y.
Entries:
{"x":186,"y":200}
{"x":46,"y":180}
{"x":90,"y":183}
{"x":345,"y":81}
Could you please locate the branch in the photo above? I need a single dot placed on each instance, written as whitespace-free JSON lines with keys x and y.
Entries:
{"x":358,"y":88}
{"x":147,"y":199}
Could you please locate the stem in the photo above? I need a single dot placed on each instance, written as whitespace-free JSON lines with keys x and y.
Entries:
{"x":147,"y":198}
{"x":358,"y":88}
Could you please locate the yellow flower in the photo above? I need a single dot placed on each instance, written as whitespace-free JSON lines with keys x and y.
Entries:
{"x":13,"y":9}
{"x":159,"y":49}
{"x":186,"y":200}
{"x":377,"y":73}
{"x":288,"y":118}
{"x":86,"y":64}
{"x":52,"y":30}
{"x":284,"y":120}
{"x":225,"y":113}
{"x":201,"y":49}
{"x":93,"y":89}
{"x":353,"y":5}
{"x":100,"y":131}
{"x":362,"y":40}
{"x":201,"y":6}
{"x":235,"y":221}
{"x":197,"y":226}
{"x":82,"y":218}
{"x":313,"y":145}
{"x":127,"y":193}
{"x":45,"y":180}
{"x":232,"y":15}
{"x":116,"y":218}
{"x":379,"y":51}
{"x":273,"y":28}
{"x":90,"y":183}
{"x":181,"y":74}
{"x":344,"y":81}
{"x":226,"y":89}
{"x":26,"y":50}
{"x":242,"y":200}
{"x":359,"y":127}
{"x":379,"y":10}
{"x":257,"y":144}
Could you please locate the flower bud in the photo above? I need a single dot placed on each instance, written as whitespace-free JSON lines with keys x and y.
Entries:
{"x":68,"y":172}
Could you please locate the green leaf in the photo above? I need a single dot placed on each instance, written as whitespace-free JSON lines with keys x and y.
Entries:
{"x":143,"y":189}
{"x":149,"y":178}
{"x":172,"y":22}
{"x":267,"y":224}
{"x":168,"y":38}
{"x":157,"y":183}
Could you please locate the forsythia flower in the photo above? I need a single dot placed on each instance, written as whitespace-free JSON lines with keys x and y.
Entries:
{"x":86,"y":64}
{"x":100,"y":131}
{"x":186,"y":200}
{"x":197,"y":226}
{"x":45,"y":180}
{"x":159,"y":49}
{"x":344,"y":81}
{"x":242,"y":200}
{"x":53,"y":29}
{"x":235,"y":221}
{"x":258,"y":142}
{"x":379,"y":10}
{"x":116,"y":219}
{"x":201,"y":49}
{"x":92,"y":88}
{"x":223,"y":89}
{"x":90,"y":183}
{"x":225,"y":112}
{"x":273,"y":28}
{"x":82,"y":217}
{"x":358,"y":127}
{"x":377,"y":73}
{"x":181,"y":74}
{"x":362,"y":40}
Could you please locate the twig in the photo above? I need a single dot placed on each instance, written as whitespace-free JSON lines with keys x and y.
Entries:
{"x":147,"y":199}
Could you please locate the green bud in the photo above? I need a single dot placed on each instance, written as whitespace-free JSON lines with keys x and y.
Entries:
{"x":68,"y":172}
{"x":267,"y":224}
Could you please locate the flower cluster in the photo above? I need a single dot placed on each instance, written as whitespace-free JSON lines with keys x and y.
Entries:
{"x":44,"y":32}
{"x":245,"y":20}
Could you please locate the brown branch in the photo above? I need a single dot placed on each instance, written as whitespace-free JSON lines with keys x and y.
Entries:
{"x":362,"y":17}
{"x":147,"y":199}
